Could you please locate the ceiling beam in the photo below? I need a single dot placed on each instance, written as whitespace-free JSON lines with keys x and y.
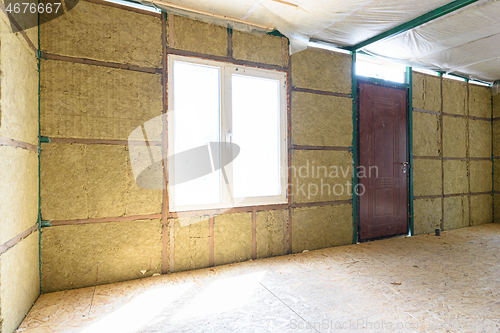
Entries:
{"x":432,"y":15}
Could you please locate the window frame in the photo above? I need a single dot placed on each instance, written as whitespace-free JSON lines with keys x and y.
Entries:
{"x":226,"y":70}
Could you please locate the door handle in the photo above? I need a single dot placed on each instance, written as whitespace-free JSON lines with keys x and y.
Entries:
{"x":406,"y":166}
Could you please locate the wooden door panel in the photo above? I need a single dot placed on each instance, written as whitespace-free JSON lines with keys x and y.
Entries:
{"x":382,"y":144}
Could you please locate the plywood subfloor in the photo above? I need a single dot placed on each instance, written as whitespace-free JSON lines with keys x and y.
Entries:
{"x":425,"y":281}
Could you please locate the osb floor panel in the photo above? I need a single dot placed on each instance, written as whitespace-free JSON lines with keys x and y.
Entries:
{"x":447,"y":283}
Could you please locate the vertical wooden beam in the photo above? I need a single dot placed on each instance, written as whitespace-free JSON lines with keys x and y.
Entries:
{"x":171,"y":41}
{"x":254,"y":234}
{"x":211,"y":242}
{"x":164,"y":147}
{"x":230,"y":43}
{"x":285,"y":223}
{"x":284,"y":51}
{"x":468,"y":152}
{"x":172,"y":245}
{"x":442,"y":153}
{"x":290,"y":156}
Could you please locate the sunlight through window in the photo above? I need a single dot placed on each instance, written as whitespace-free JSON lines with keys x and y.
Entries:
{"x":221,"y":296}
{"x":139,"y":311}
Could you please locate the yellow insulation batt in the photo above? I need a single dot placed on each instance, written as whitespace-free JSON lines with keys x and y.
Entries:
{"x":322,"y":70}
{"x":455,"y":177}
{"x":191,"y":244}
{"x":232,"y":238}
{"x":86,"y":32}
{"x":93,"y":102}
{"x":479,"y":138}
{"x":454,"y":97}
{"x":481,"y":209}
{"x":20,"y":282}
{"x":75,"y":256}
{"x":479,"y":101}
{"x":426,"y":177}
{"x":319,"y":175}
{"x":427,"y":215}
{"x":91,"y":181}
{"x":19,"y":191}
{"x":456,"y":212}
{"x":426,"y":134}
{"x":265,"y":49}
{"x":19,"y":81}
{"x":269,"y":232}
{"x":321,"y":227}
{"x":426,"y":92}
{"x":319,"y":120}
{"x":480,"y":176}
{"x":196,"y":36}
{"x":454,"y":137}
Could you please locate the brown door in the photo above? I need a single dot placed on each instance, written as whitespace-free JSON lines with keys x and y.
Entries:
{"x":382,"y":152}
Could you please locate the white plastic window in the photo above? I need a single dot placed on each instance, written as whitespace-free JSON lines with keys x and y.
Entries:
{"x":227,"y":135}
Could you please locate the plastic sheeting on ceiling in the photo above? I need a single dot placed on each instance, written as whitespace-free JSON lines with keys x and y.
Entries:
{"x":465,"y":42}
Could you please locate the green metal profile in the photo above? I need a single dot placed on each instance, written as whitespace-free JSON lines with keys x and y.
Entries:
{"x":492,"y":167}
{"x":39,"y":60}
{"x":354,"y":150}
{"x":432,"y":15}
{"x":409,"y":81}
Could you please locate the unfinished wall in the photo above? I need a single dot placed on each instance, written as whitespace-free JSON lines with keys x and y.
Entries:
{"x":212,"y":238}
{"x":452,"y":154}
{"x":19,"y":273}
{"x":496,"y":153}
{"x":105,"y":228}
{"x":321,"y":172}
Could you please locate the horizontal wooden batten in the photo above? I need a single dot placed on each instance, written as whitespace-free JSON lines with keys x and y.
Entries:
{"x":222,"y":211}
{"x":426,"y":157}
{"x":50,"y":56}
{"x":225,"y":59}
{"x":18,"y":144}
{"x":456,"y":195}
{"x":18,"y":27}
{"x":480,"y":158}
{"x":129,"y":8}
{"x":298,"y":147}
{"x":322,"y":203}
{"x":105,"y":219}
{"x":481,"y":193}
{"x":321,"y":92}
{"x":455,"y":115}
{"x":480,"y":118}
{"x":454,"y":158}
{"x":13,"y":241}
{"x":426,"y":111}
{"x":105,"y":142}
{"x":437,"y":196}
